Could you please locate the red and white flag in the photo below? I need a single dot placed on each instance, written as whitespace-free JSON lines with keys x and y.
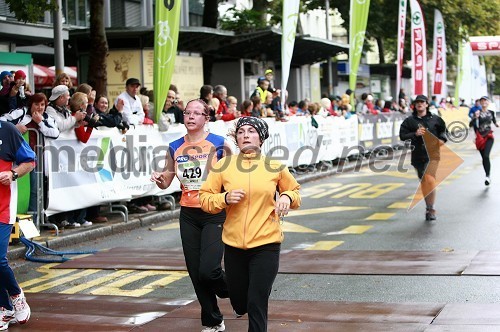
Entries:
{"x":485,"y":45}
{"x":418,"y":49}
{"x":439,"y":57}
{"x":401,"y":42}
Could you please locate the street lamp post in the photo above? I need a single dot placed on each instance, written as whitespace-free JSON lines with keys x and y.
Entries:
{"x":58,"y":39}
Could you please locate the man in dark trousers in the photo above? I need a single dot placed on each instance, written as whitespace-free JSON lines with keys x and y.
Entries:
{"x":424,"y":158}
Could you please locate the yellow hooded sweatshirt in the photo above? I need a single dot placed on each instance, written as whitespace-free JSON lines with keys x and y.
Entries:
{"x":252,"y":222}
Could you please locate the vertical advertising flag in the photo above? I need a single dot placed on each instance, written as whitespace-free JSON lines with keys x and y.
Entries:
{"x":290,"y":18}
{"x":468,"y":75}
{"x":401,"y":42}
{"x":418,"y":50}
{"x":439,"y":57}
{"x":167,"y":22}
{"x":357,"y":31}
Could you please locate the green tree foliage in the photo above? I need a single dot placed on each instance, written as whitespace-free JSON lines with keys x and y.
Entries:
{"x":242,"y":20}
{"x":30,"y":10}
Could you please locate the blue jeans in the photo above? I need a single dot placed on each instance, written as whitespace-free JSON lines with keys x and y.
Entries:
{"x":8,"y":283}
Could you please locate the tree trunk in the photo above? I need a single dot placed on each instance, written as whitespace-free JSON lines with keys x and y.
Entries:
{"x":210,"y":19}
{"x":261,"y":7}
{"x":97,"y":75}
{"x":380,"y":44}
{"x":210,"y":13}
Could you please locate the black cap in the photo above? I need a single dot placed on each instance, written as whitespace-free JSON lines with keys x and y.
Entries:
{"x":132,"y":81}
{"x":421,"y":98}
{"x":272,"y":90}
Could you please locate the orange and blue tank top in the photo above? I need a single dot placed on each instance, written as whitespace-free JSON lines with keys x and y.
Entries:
{"x":193,"y":160}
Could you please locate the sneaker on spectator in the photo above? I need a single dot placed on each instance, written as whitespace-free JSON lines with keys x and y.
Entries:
{"x":165,"y":206}
{"x":150,"y":207}
{"x":63,"y":223}
{"x":73,"y":225}
{"x":216,"y":328}
{"x":6,"y":317}
{"x":132,"y":208}
{"x":86,"y":223}
{"x":99,"y":220}
{"x":22,"y":310}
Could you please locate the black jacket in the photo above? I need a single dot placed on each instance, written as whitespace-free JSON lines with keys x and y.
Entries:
{"x":410,"y":125}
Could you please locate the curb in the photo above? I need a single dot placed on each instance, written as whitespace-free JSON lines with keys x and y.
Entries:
{"x":154,"y":218}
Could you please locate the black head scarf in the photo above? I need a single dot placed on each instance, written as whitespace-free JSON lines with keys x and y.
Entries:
{"x":259,"y":125}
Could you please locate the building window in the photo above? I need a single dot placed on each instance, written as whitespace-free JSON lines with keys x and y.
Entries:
{"x":76,"y":12}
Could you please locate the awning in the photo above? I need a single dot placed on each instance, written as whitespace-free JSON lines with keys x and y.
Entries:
{"x":71,"y":71}
{"x":223,"y":45}
{"x":45,"y":76}
{"x":259,"y":45}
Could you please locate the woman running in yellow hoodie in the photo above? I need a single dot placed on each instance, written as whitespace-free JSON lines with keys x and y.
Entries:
{"x":256,"y":193}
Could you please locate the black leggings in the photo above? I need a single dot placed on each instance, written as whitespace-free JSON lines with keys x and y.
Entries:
{"x":485,"y":154}
{"x":201,"y":234}
{"x":250,"y":277}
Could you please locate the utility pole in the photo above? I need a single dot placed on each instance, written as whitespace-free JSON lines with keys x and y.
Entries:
{"x":58,"y":39}
{"x":329,"y":37}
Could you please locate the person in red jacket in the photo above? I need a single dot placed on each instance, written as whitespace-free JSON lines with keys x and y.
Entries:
{"x":78,"y":103}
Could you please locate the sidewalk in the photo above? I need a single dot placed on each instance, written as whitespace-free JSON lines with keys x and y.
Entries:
{"x":116,"y":225}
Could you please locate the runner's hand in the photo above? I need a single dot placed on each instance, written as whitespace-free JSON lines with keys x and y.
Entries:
{"x":235,"y":196}
{"x":282,"y":206}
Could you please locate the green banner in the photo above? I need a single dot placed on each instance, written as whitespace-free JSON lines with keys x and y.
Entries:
{"x":23,"y":188}
{"x":357,"y":30}
{"x":167,"y":22}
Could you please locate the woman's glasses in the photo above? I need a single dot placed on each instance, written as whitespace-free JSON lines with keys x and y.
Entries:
{"x":195,"y":113}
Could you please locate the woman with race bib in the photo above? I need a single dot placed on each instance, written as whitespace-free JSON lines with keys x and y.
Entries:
{"x":190,"y":158}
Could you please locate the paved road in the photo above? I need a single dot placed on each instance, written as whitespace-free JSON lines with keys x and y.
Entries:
{"x":364,"y":210}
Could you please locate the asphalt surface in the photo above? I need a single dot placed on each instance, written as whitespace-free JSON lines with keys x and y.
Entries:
{"x":467,"y":221}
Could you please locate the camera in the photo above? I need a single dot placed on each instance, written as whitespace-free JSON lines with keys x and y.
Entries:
{"x":176,"y":101}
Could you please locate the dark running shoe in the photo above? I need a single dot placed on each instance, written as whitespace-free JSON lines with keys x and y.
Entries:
{"x":430,"y":214}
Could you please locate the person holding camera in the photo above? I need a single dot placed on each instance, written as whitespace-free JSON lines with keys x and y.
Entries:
{"x":58,"y":110}
{"x":19,"y":91}
{"x":171,"y":108}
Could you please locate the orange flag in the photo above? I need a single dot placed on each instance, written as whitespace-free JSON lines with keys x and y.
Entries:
{"x":442,"y":162}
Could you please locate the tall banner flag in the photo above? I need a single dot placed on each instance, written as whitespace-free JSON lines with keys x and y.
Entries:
{"x":401,"y":43}
{"x":439,"y":57}
{"x":167,"y":22}
{"x":471,"y":75}
{"x":357,"y":31}
{"x":418,"y":50}
{"x":290,"y":18}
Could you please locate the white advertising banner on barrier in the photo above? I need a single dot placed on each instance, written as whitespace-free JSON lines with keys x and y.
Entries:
{"x":113,"y":167}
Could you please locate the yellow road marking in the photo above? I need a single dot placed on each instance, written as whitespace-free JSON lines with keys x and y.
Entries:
{"x":399,"y":205}
{"x":48,"y":274}
{"x":294,"y":228}
{"x":325,"y":210}
{"x":96,"y":282}
{"x":356,"y":229}
{"x":353,"y":229}
{"x":174,"y":225}
{"x":404,"y":175}
{"x":115,"y":288}
{"x":325,"y":245}
{"x":380,"y":216}
{"x":61,"y":281}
